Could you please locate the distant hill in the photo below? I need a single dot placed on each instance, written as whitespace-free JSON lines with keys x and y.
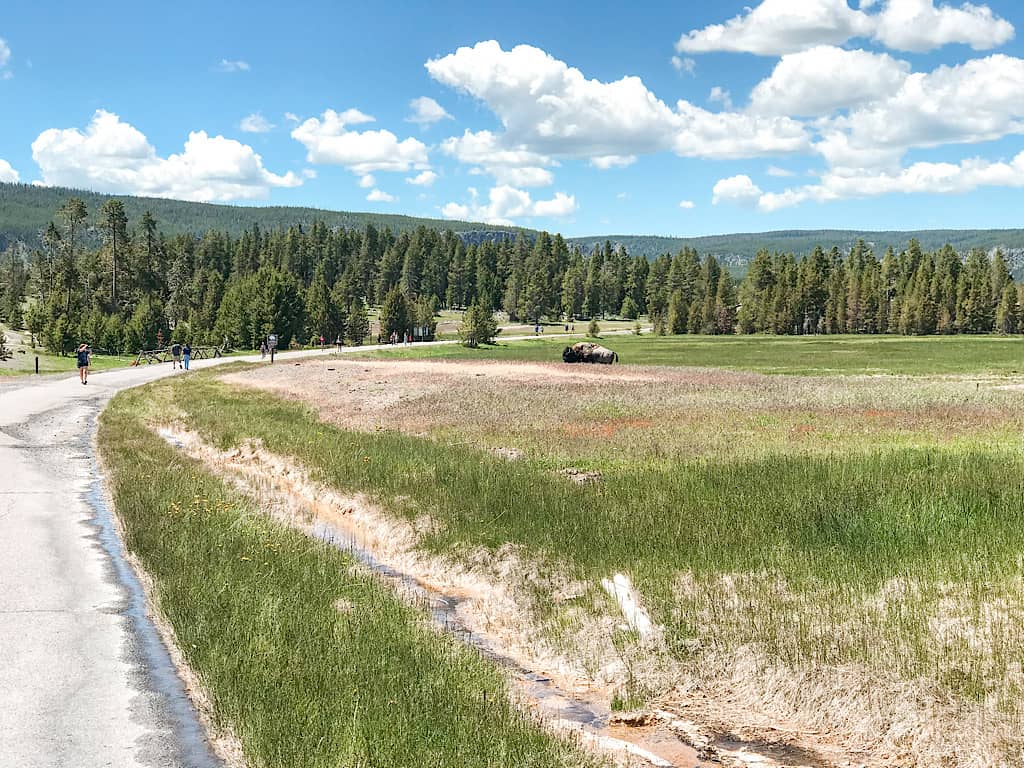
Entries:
{"x":25,"y":211}
{"x":738,"y":250}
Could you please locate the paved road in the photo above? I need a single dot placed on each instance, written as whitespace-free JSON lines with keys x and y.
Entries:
{"x":84,"y":679}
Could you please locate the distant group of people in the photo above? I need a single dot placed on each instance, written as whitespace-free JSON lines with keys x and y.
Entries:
{"x":397,"y":338}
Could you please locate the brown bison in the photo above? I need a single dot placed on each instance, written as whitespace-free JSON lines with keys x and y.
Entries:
{"x":587,"y":352}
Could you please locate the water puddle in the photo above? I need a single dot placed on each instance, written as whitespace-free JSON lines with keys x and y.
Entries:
{"x":158,"y":668}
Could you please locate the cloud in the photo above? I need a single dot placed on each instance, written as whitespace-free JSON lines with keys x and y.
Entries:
{"x":612,"y":161}
{"x":512,"y":165}
{"x":917,"y":25}
{"x":367,"y":181}
{"x":426,"y":111}
{"x":423,"y":179}
{"x":550,"y":109}
{"x":979,"y":100}
{"x":923,"y":177}
{"x":740,"y":190}
{"x":8,"y":174}
{"x":823,"y":79}
{"x":256,"y":123}
{"x":114,"y":156}
{"x":328,"y":140}
{"x":376,"y":196}
{"x":5,"y":59}
{"x":291,"y":117}
{"x":225,"y":65}
{"x":687,"y":205}
{"x":309,"y":173}
{"x":779,"y":26}
{"x":684,"y":64}
{"x":776,"y":27}
{"x":505,"y":203}
{"x":774,"y":170}
{"x":719,"y":94}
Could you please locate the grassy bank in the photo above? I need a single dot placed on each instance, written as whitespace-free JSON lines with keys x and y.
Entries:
{"x":816,"y":525}
{"x":256,"y":610}
{"x":796,"y":355}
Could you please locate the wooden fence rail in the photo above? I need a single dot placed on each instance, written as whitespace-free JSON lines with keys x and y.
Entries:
{"x":150,"y":356}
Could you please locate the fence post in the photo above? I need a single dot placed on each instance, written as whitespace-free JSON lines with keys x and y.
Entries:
{"x":37,"y":365}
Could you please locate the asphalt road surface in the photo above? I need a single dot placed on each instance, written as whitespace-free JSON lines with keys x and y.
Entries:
{"x":85,"y":681}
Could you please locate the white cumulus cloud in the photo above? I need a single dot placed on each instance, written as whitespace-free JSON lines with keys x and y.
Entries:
{"x":776,"y":27}
{"x":738,"y":189}
{"x":979,"y":100}
{"x":919,"y":178}
{"x":114,"y":156}
{"x":505,"y":203}
{"x":328,"y":139}
{"x":422,"y":179}
{"x":367,"y":181}
{"x":376,"y":196}
{"x":7,"y":173}
{"x":553,"y":110}
{"x":823,"y":79}
{"x":256,"y":123}
{"x":426,"y":111}
{"x":687,"y":205}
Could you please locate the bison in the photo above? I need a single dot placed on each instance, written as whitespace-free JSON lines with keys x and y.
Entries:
{"x":587,"y":352}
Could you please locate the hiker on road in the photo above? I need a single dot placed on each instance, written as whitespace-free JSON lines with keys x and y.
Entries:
{"x":83,"y":362}
{"x":186,"y":355}
{"x":175,"y":355}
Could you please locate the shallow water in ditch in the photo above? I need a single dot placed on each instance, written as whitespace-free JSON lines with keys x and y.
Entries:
{"x":588,"y":717}
{"x":161,"y":674}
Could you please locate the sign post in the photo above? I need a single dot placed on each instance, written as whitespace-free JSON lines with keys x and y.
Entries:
{"x":272,"y":343}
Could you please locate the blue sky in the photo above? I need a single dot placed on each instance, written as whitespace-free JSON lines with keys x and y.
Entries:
{"x":666,"y":118}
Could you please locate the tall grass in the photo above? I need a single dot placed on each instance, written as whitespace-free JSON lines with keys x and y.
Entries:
{"x":255,"y":608}
{"x":906,"y":560}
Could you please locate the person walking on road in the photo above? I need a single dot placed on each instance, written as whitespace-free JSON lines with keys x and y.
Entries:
{"x":186,"y":355}
{"x":83,"y":362}
{"x":263,"y":349}
{"x":175,"y":355}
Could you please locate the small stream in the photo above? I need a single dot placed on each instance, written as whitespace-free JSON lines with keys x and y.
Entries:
{"x":550,"y":700}
{"x":158,"y":669}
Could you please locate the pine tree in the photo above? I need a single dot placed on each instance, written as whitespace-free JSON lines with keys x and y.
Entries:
{"x":358,"y":323}
{"x":478,"y":326}
{"x":394,"y":314}
{"x":5,"y":352}
{"x":1008,"y":313}
{"x":678,"y":312}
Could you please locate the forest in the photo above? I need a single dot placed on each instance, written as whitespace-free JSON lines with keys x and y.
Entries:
{"x":124,"y":285}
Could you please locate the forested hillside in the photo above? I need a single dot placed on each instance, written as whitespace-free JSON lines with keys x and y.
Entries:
{"x":141,"y":287}
{"x":25,"y":210}
{"x":738,"y":250}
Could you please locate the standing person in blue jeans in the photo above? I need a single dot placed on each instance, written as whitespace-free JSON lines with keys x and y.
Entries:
{"x":186,"y":354}
{"x":83,"y":363}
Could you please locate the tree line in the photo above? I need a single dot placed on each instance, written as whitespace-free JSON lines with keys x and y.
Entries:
{"x":141,"y":288}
